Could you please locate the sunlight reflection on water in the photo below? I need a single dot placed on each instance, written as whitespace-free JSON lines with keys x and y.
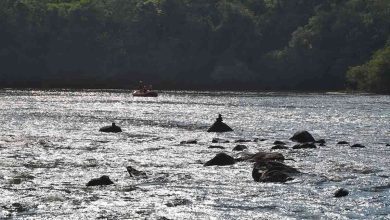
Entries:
{"x":50,"y":148}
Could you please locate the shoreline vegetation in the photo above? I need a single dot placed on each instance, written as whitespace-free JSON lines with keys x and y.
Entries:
{"x":246,"y":45}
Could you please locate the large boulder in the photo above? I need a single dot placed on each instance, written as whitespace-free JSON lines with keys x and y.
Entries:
{"x":302,"y":137}
{"x":219,"y":126}
{"x":221,"y":159}
{"x":103,"y":180}
{"x":274,"y":165}
{"x":113,"y":128}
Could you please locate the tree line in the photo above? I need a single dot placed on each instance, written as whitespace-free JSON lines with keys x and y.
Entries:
{"x":304,"y":45}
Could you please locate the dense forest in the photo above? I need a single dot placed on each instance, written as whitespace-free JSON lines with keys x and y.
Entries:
{"x":304,"y":45}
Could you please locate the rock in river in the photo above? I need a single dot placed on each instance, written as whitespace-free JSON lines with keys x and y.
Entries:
{"x":341,"y":193}
{"x":113,"y":128}
{"x":240,"y":147}
{"x":304,"y":146}
{"x":221,"y":159}
{"x":103,"y":180}
{"x":302,"y":137}
{"x":358,"y":146}
{"x":219,"y":126}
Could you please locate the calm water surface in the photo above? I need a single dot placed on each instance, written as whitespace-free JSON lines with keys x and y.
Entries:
{"x":50,"y":148}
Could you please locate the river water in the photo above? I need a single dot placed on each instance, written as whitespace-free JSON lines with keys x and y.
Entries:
{"x":50,"y":147}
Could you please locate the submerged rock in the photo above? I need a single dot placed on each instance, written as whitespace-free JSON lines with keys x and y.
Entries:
{"x":320,"y":141}
{"x":113,"y":128}
{"x":177,"y":202}
{"x":279,"y":147}
{"x":341,"y":193}
{"x":189,"y":142}
{"x":358,"y":146}
{"x":103,"y":180}
{"x":216,"y":147}
{"x":304,"y":146}
{"x":240,"y":148}
{"x":343,"y":142}
{"x":387,"y":145}
{"x":242,"y":141}
{"x":279,"y":143}
{"x":261,"y":156}
{"x":133,"y":172}
{"x":219,"y":126}
{"x":302,"y":137}
{"x":219,"y":140}
{"x":221,"y":159}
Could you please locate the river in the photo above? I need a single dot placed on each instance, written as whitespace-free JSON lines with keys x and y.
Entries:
{"x":50,"y":147}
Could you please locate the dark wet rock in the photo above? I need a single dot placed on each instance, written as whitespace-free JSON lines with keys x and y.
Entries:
{"x":274,"y":165}
{"x":14,"y":207}
{"x":271,"y":176}
{"x":279,"y":147}
{"x":242,"y":141}
{"x":189,"y":142}
{"x":221,"y":159}
{"x":240,"y":147}
{"x":341,"y":193}
{"x":216,"y":147}
{"x":261,"y":156}
{"x":343,"y":142}
{"x":177,"y":202}
{"x":279,"y":143}
{"x":259,"y":139}
{"x":103,"y":180}
{"x":219,"y":126}
{"x":358,"y":146}
{"x":320,"y":141}
{"x":387,"y":145}
{"x":219,"y":140}
{"x":304,"y":146}
{"x":113,"y":128}
{"x":302,"y":137}
{"x":163,"y":218}
{"x":135,"y":173}
{"x":321,"y":144}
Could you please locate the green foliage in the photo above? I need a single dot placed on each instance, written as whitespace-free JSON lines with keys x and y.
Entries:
{"x":373,"y":76}
{"x":226,"y":44}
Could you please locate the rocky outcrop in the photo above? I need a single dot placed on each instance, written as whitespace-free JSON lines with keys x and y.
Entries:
{"x":302,"y":137}
{"x":304,"y":146}
{"x":219,"y":126}
{"x":343,"y":142}
{"x":113,"y":129}
{"x":221,"y":159}
{"x":103,"y":180}
{"x":240,"y":148}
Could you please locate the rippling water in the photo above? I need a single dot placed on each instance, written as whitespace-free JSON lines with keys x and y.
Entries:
{"x":50,"y":148}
